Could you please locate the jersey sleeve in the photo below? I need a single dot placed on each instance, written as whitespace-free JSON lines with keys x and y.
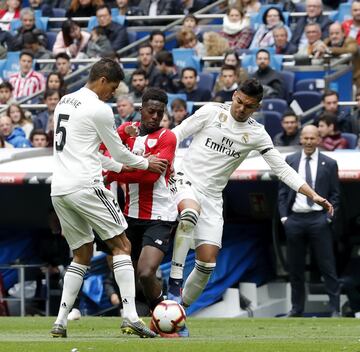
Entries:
{"x":110,"y":164}
{"x":165,"y":150}
{"x":194,"y":123}
{"x":105,"y":126}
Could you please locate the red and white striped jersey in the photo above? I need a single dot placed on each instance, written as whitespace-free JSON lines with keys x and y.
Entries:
{"x":147,"y":193}
{"x":28,"y":85}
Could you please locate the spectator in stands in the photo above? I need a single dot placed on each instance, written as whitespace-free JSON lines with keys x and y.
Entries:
{"x":352,"y":26}
{"x":157,"y":41}
{"x":98,"y":45}
{"x":44,"y":8}
{"x":13,"y":135}
{"x":330,"y":101}
{"x":190,"y":6}
{"x":286,"y":5}
{"x":19,"y":119}
{"x":71,"y":39}
{"x":291,"y":131}
{"x":281,"y":42}
{"x":55,"y":81}
{"x":32,"y":43}
{"x":268,"y":77}
{"x":45,"y":120}
{"x":139,"y":83}
{"x":155,"y":8}
{"x":248,"y":7}
{"x":193,"y":92}
{"x":27,"y":18}
{"x":330,"y":135}
{"x":83,"y":8}
{"x":7,"y":42}
{"x":236,"y":29}
{"x":167,"y":121}
{"x":229,"y":80}
{"x":63,"y":64}
{"x":215,"y":44}
{"x":178,"y":111}
{"x":146,"y":62}
{"x":313,"y":15}
{"x":3,"y":143}
{"x":115,"y":32}
{"x":314,"y":43}
{"x":126,"y":10}
{"x":337,"y":44}
{"x":39,"y":139}
{"x":27,"y":81}
{"x":126,"y":110}
{"x":187,"y":39}
{"x":6,"y":90}
{"x":167,"y":78}
{"x":10,"y":12}
{"x":264,"y":37}
{"x":305,"y":221}
{"x":191,"y":22}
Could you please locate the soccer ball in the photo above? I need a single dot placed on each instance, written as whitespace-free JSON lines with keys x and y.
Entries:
{"x":168,"y":316}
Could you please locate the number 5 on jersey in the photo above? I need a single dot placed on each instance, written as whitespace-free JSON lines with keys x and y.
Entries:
{"x":61,"y":132}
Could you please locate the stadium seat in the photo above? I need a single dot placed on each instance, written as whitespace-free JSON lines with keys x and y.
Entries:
{"x":274,"y":104}
{"x":51,"y":36}
{"x":2,"y":65}
{"x":272,"y":122}
{"x":115,"y":12}
{"x":186,"y":58}
{"x":300,"y":7}
{"x":307,"y":100}
{"x":344,"y":12}
{"x":249,"y":62}
{"x":94,"y":23}
{"x":171,"y":97}
{"x":12,"y":63}
{"x":351,"y":138}
{"x":132,"y":36}
{"x":288,"y":80}
{"x":308,"y":84}
{"x":58,"y":12}
{"x":206,"y":80}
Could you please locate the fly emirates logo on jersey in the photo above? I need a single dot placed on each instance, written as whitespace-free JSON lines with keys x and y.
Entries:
{"x":225,"y":147}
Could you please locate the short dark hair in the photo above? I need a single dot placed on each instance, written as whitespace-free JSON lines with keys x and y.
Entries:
{"x":50,"y":92}
{"x":139,"y":71}
{"x":6,"y":85}
{"x":329,"y":93}
{"x":30,"y":38}
{"x":164,"y":57}
{"x":178,"y":103}
{"x":156,"y":32}
{"x":107,"y":68}
{"x":190,"y":15}
{"x":330,"y":119}
{"x":154,"y":94}
{"x":146,"y":45}
{"x":273,"y":8}
{"x":263,"y":51}
{"x":289,"y":113}
{"x":104,"y":6}
{"x":62,"y":56}
{"x":253,"y":88}
{"x":228,"y":67}
{"x":38,"y":131}
{"x":192,"y":69}
{"x":26,"y":52}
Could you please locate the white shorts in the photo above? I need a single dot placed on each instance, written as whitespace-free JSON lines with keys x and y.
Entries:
{"x":87,"y":209}
{"x":209,"y":228}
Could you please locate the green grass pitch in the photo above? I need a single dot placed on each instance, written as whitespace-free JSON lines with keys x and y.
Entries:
{"x":92,"y":334}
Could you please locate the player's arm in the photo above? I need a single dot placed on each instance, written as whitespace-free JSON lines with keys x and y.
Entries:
{"x":166,"y":150}
{"x":194,"y":123}
{"x":110,"y":164}
{"x":104,"y":124}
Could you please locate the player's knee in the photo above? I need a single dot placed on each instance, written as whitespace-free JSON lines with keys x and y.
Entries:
{"x":188,"y":219}
{"x":122,"y":245}
{"x":146,"y":275}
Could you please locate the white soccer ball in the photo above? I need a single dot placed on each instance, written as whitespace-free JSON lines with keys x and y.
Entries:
{"x":169,"y":316}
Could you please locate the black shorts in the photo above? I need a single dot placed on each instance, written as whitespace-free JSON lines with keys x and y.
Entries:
{"x":154,"y":233}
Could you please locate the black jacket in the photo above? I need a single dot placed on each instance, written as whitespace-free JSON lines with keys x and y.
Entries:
{"x":165,"y":7}
{"x":269,"y":77}
{"x":288,"y":49}
{"x":117,"y":35}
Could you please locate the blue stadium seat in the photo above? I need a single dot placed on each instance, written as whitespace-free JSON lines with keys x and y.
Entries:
{"x":275,"y":104}
{"x":58,"y":12}
{"x":272,"y":122}
{"x":2,"y":65}
{"x":51,"y":36}
{"x":288,"y":80}
{"x":249,"y":62}
{"x":344,"y":12}
{"x":206,"y":80}
{"x":94,"y":23}
{"x":307,"y":100}
{"x":308,"y":84}
{"x":351,"y":138}
{"x":300,"y":7}
{"x":115,"y":12}
{"x":186,"y":58}
{"x":171,"y":97}
{"x":12,"y":64}
{"x":132,"y":36}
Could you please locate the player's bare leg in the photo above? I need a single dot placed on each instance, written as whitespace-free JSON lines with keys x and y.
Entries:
{"x":73,"y":280}
{"x":124,"y":277}
{"x":148,"y":263}
{"x":205,"y":262}
{"x":189,"y":213}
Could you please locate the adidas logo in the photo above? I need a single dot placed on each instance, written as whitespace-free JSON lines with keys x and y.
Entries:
{"x":63,"y":305}
{"x":125,"y":301}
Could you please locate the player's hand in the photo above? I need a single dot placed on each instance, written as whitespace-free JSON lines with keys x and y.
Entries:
{"x":157,"y":165}
{"x":132,"y":130}
{"x":324,"y":203}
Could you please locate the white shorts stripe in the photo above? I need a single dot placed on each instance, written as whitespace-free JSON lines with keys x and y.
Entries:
{"x":108,"y":205}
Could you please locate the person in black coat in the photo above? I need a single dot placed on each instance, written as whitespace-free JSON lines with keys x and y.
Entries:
{"x":314,"y":15}
{"x":115,"y":32}
{"x":304,"y":221}
{"x":163,"y":7}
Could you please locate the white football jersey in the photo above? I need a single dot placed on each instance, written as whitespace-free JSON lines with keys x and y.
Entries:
{"x":220,"y":144}
{"x":82,"y":122}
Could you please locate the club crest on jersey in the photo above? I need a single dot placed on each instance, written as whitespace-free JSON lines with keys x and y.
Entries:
{"x":245,"y":138}
{"x":151,"y":142}
{"x":222,"y":117}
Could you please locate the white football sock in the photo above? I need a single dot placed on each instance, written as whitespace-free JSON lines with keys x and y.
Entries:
{"x":196,"y":282}
{"x":124,"y":277}
{"x":182,"y":242}
{"x":73,"y":280}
